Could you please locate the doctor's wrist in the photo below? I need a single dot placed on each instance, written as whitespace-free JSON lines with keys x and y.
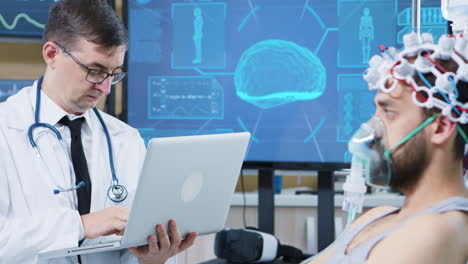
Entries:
{"x":81,"y":230}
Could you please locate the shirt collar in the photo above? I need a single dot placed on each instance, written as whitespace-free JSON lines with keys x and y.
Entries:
{"x":51,"y":113}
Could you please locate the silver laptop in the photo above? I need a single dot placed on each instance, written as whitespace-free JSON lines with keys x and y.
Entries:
{"x":190,"y":179}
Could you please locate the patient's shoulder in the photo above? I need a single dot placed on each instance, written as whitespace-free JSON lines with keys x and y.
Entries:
{"x":428,"y":238}
{"x":367,"y":216}
{"x":372,"y":214}
{"x":452,"y":224}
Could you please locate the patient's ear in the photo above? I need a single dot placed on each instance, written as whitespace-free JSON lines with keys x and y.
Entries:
{"x":442,"y":130}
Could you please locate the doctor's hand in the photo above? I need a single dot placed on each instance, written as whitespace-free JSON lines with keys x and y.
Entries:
{"x":112,"y":220}
{"x":161,"y":247}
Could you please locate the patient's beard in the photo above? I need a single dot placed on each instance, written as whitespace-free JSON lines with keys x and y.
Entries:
{"x":408,"y":164}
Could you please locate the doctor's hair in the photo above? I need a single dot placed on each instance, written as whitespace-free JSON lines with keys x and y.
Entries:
{"x":92,"y":20}
{"x":462,"y":87}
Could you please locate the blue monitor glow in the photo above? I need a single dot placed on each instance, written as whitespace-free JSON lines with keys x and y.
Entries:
{"x":10,"y":87}
{"x":25,"y":18}
{"x":290,"y":72}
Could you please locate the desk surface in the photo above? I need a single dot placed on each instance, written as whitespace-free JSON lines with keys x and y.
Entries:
{"x":222,"y":261}
{"x":306,"y":200}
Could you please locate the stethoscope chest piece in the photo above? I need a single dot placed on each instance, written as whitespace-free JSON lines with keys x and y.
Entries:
{"x":117,"y":193}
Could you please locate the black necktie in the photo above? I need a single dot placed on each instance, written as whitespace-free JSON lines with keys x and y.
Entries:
{"x":80,"y":165}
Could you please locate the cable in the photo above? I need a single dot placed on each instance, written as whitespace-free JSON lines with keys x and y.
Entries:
{"x":437,"y":65}
{"x":384,"y":49}
{"x":426,"y":82}
{"x":243,"y":197}
{"x":454,"y":86}
{"x":418,"y":94}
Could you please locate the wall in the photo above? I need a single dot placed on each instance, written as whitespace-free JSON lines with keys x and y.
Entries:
{"x":21,"y":61}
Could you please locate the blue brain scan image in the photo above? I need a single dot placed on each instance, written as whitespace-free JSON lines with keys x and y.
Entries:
{"x":276,"y":72}
{"x":289,"y":72}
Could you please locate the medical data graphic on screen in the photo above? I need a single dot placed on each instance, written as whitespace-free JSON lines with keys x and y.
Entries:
{"x":287,"y":71}
{"x":24,"y":18}
{"x":10,"y":87}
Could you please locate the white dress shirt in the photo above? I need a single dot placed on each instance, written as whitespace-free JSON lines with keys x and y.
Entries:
{"x":32,"y":218}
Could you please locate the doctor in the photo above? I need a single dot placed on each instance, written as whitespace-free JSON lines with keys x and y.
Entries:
{"x":80,"y":189}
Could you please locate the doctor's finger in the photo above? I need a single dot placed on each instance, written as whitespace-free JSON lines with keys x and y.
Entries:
{"x":175,"y":237}
{"x":139,"y":251}
{"x":119,"y":226}
{"x":163,"y":239}
{"x":153,"y":244}
{"x":121,"y":212}
{"x":188,"y":241}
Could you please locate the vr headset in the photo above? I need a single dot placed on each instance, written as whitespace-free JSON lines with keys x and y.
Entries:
{"x":252,"y":246}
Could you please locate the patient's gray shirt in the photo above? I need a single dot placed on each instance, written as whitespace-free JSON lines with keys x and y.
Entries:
{"x":361,"y":253}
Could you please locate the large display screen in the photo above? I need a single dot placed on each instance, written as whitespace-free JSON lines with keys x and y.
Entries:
{"x":24,"y":18}
{"x":289,"y":72}
{"x":10,"y":87}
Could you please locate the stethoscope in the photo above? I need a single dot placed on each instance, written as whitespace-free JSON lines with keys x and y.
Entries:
{"x":116,"y":192}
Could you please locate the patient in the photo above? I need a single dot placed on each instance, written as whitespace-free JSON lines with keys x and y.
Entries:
{"x":426,"y":149}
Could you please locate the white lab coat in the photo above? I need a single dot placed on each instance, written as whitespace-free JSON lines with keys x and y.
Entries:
{"x":32,"y":218}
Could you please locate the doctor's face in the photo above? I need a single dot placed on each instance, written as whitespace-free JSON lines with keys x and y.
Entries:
{"x":76,"y":93}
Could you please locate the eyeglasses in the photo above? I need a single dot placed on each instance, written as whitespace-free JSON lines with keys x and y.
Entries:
{"x":94,"y":75}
